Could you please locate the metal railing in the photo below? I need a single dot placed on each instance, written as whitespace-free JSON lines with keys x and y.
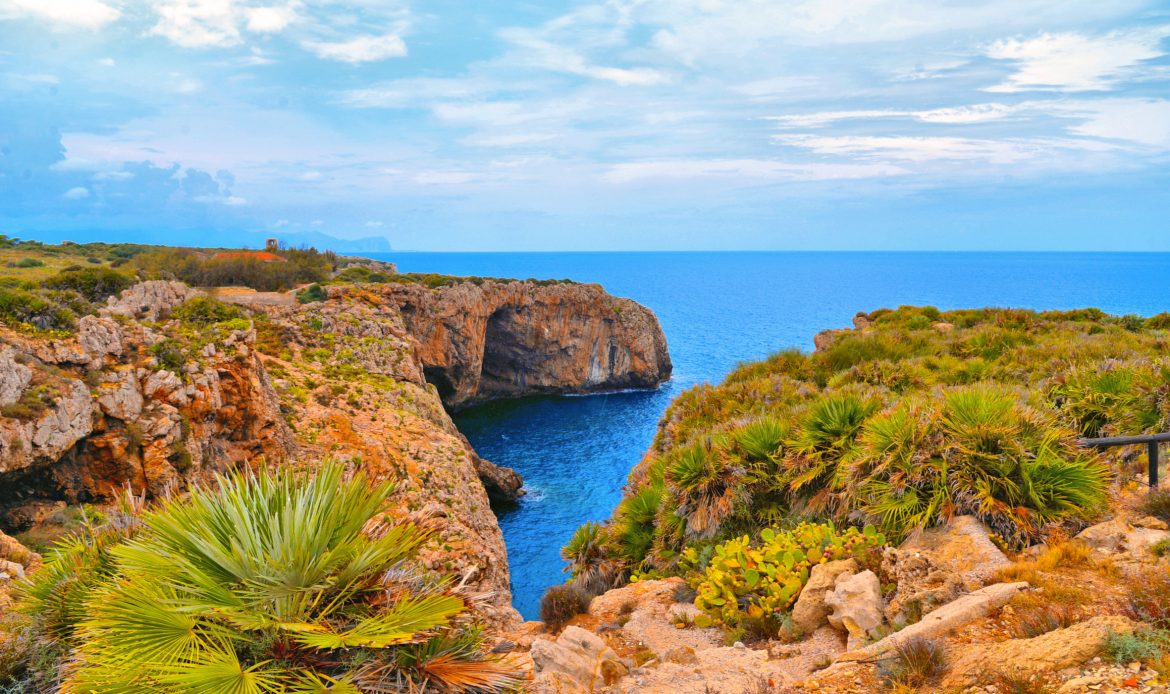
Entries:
{"x":1150,"y":440}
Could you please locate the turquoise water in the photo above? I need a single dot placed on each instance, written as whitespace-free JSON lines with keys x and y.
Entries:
{"x":719,"y":309}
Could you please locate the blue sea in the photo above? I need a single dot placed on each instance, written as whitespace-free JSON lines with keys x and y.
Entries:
{"x":720,"y":309}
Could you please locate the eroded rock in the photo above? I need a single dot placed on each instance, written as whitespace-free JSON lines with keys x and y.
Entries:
{"x":810,"y":611}
{"x":856,"y":604}
{"x":577,"y":661}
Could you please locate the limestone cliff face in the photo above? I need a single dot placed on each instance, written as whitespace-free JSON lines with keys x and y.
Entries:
{"x":81,"y":418}
{"x":495,"y":339}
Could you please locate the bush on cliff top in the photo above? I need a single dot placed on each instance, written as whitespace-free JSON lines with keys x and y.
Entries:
{"x":268,"y":583}
{"x":919,"y":416}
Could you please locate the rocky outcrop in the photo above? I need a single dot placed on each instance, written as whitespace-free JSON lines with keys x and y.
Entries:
{"x":856,"y":604}
{"x":577,"y":661}
{"x":128,"y":402}
{"x":810,"y":611}
{"x":491,"y":339}
{"x":1047,"y":653}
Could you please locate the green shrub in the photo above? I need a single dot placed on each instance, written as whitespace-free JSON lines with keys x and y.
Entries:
{"x":756,"y":584}
{"x":29,"y":263}
{"x":202,"y":311}
{"x":23,"y":308}
{"x":1145,"y":645}
{"x":311,"y":294}
{"x":269,"y":583}
{"x":559,"y":604}
{"x":169,"y":353}
{"x":94,"y":283}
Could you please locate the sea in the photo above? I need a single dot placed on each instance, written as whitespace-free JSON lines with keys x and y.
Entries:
{"x":718,"y":310}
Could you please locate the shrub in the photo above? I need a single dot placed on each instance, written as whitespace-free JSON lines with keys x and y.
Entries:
{"x":975,"y":449}
{"x":1042,"y":619}
{"x":23,"y":308}
{"x":94,"y":283}
{"x":169,"y":353}
{"x":202,"y":311}
{"x":1149,"y":599}
{"x":1157,"y":504}
{"x":915,"y":662}
{"x":29,"y":263}
{"x":559,"y":604}
{"x":755,"y":584}
{"x":1144,"y":645}
{"x":312,"y":293}
{"x":269,"y":583}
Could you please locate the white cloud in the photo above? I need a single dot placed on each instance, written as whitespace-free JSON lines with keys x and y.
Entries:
{"x":362,"y":49}
{"x":959,"y":115}
{"x":77,"y":193}
{"x":419,"y":92}
{"x":234,"y":201}
{"x":541,"y":52}
{"x":1144,"y":121}
{"x":86,"y":14}
{"x":189,"y":85}
{"x":745,"y":169}
{"x":923,"y":150}
{"x":311,"y":176}
{"x":1072,"y":62}
{"x":445,"y":177}
{"x":107,"y":62}
{"x":197,"y":23}
{"x":270,"y":20}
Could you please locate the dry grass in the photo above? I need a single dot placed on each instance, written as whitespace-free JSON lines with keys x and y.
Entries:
{"x":1062,"y":555}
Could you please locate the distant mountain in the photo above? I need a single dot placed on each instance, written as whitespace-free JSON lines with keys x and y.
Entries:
{"x":212,"y":238}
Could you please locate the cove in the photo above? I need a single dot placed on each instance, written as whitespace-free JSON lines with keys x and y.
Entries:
{"x":719,"y":309}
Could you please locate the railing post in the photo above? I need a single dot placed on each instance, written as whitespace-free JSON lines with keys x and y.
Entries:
{"x":1152,"y":454}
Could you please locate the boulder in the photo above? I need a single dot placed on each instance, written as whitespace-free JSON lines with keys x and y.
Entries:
{"x":149,"y":301}
{"x":922,"y":585}
{"x":1047,"y":653}
{"x":99,"y":336}
{"x":944,"y":620}
{"x":578,"y":661}
{"x":963,"y":546}
{"x":810,"y":611}
{"x":856,"y":601}
{"x":1119,"y":536}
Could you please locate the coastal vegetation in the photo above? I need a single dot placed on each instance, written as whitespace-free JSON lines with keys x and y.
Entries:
{"x":265,"y":583}
{"x":914,"y":417}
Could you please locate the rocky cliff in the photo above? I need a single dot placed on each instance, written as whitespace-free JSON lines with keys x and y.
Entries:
{"x":164,"y":387}
{"x":493,"y":339}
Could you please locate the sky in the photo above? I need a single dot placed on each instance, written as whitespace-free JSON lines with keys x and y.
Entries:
{"x":592,"y":125}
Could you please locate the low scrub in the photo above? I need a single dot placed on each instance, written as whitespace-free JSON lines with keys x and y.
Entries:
{"x":559,"y":604}
{"x":918,"y":417}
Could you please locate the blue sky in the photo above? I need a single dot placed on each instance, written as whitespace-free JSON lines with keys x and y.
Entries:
{"x":594,"y":125}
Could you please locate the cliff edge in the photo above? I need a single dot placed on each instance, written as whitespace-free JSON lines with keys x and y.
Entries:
{"x":480,"y":341}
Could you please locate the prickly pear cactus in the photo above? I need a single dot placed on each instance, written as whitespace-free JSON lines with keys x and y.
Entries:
{"x":754,"y":581}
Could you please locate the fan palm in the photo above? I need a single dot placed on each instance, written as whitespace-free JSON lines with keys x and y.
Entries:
{"x":705,"y":486}
{"x":281,"y":583}
{"x":823,"y":442}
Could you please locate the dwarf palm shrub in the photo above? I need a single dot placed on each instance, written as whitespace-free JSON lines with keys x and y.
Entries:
{"x":281,"y":583}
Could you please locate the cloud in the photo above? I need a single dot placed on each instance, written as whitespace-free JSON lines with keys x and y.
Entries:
{"x":78,"y":193}
{"x":269,"y":20}
{"x":929,"y":149}
{"x":959,"y":115}
{"x":197,"y":23}
{"x":1072,"y":62}
{"x":85,"y":14}
{"x":1144,"y":121}
{"x":540,"y":52}
{"x":419,"y":92}
{"x":362,"y":49}
{"x":747,"y":170}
